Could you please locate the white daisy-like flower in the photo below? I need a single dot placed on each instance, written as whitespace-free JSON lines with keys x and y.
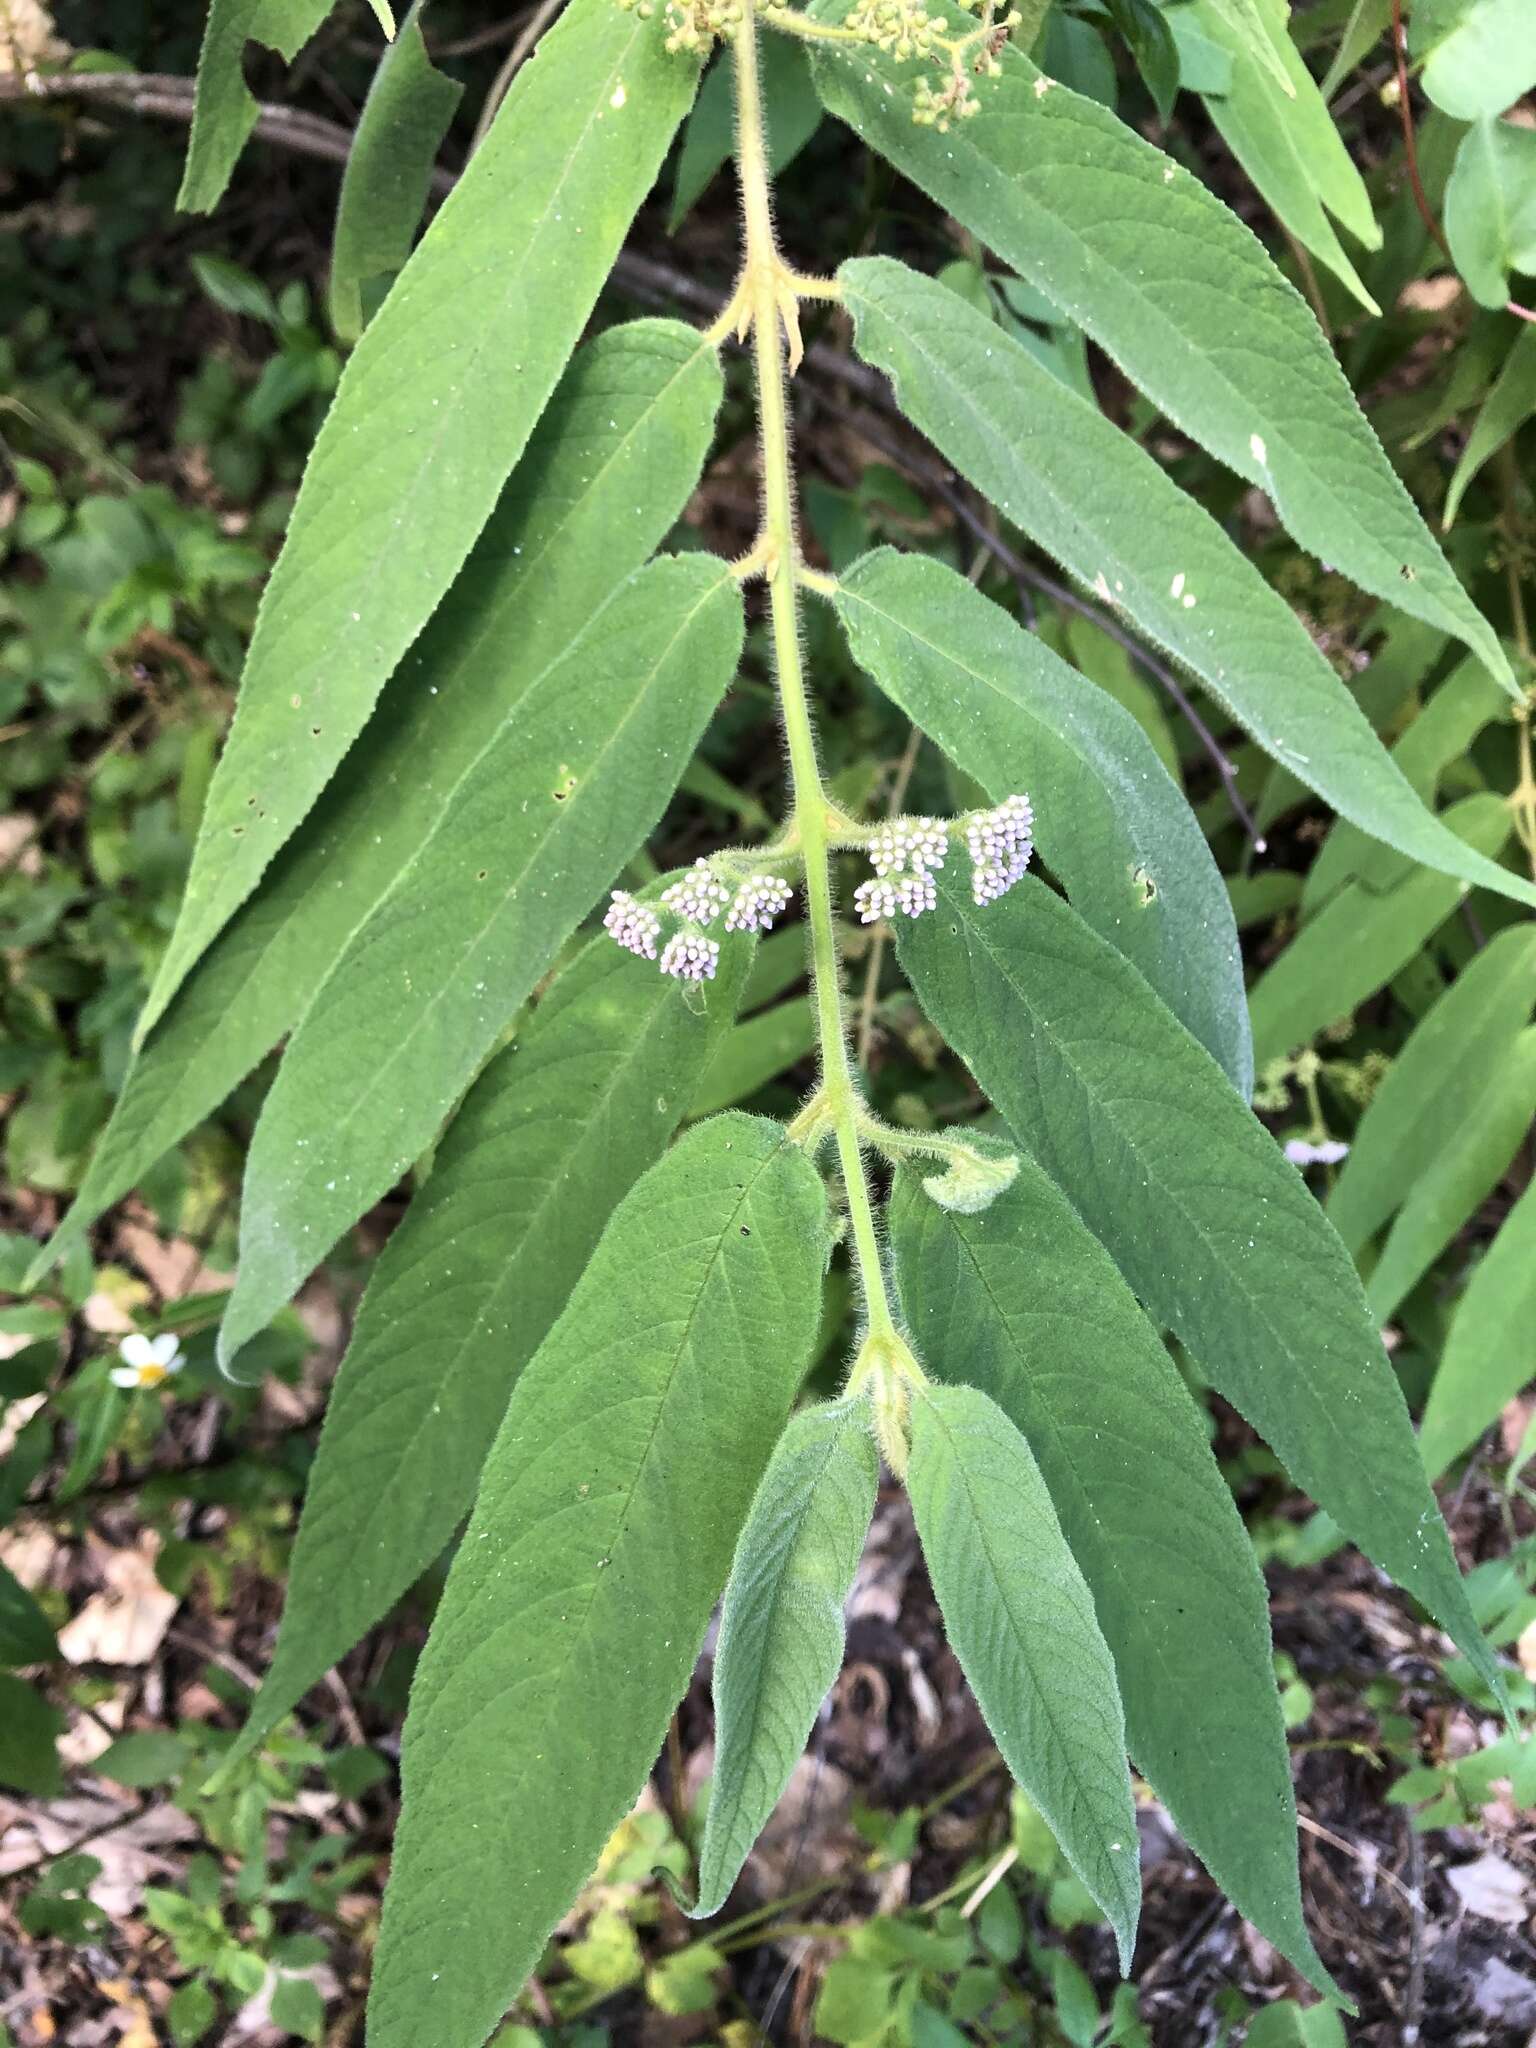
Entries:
{"x":757,"y":903}
{"x":691,"y":957}
{"x":147,"y":1360}
{"x":698,"y":898}
{"x":1000,"y":843}
{"x":633,"y":925}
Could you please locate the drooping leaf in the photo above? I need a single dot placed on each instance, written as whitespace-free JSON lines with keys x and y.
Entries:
{"x":1055,"y":466}
{"x":1491,"y":1351}
{"x":1109,"y":821}
{"x":1213,"y":1230}
{"x":433,"y":410}
{"x":389,"y":172}
{"x":781,"y":1628}
{"x":1463,"y":1174}
{"x":553,"y":1134}
{"x":557,"y":800}
{"x":1020,"y":1619}
{"x":1362,"y":937}
{"x":1137,"y":251}
{"x":1434,"y":1083}
{"x":1490,"y":208}
{"x":793,"y":110}
{"x":1502,"y":414}
{"x":1024,"y":1303}
{"x":226,"y":110}
{"x":601,"y":1537}
{"x":607,"y":470}
{"x":751,"y":1054}
{"x":1478,"y":56}
{"x":1286,"y":140}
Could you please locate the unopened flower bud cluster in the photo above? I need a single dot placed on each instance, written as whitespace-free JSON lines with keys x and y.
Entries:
{"x":696,"y":901}
{"x":907,"y":853}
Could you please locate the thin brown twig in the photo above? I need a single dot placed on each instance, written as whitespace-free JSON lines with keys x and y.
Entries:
{"x":1410,"y":141}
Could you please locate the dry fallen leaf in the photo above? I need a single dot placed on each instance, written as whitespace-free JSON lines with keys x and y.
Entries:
{"x":123,"y":1624}
{"x":1491,"y":1888}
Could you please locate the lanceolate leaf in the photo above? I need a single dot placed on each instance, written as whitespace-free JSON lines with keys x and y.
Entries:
{"x":555,"y":803}
{"x":1138,"y":252}
{"x":1110,"y":822}
{"x":384,"y":187}
{"x":433,"y":410}
{"x":1021,"y":1621}
{"x":556,"y":1130}
{"x":781,"y":1630}
{"x":1023,"y":1302}
{"x":601,"y":1537}
{"x":755,"y":1051}
{"x":607,"y":471}
{"x":1361,"y":938}
{"x":1434,"y":1083}
{"x":226,"y":111}
{"x":1055,"y":466}
{"x":1215,"y":1233}
{"x":1504,"y":412}
{"x":1491,"y":1351}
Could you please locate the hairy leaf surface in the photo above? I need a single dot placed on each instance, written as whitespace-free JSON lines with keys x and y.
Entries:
{"x":1054,"y":465}
{"x":433,"y":410}
{"x":1023,"y":1302}
{"x":1020,"y":1619}
{"x":1215,"y":1232}
{"x":781,"y":1629}
{"x":1153,"y":266}
{"x":1491,"y":1351}
{"x":1109,"y":820}
{"x":556,"y":1130}
{"x":556,"y":802}
{"x":602,"y":1534}
{"x":608,"y":469}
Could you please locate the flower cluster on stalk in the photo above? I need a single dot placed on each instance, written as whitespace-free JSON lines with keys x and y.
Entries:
{"x":694,"y":903}
{"x":907,"y":853}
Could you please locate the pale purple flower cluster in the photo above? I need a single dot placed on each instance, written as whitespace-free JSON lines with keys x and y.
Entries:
{"x":690,"y":956}
{"x":915,"y":843}
{"x":1000,"y":843}
{"x":758,"y":902}
{"x":888,"y":894}
{"x":698,"y":898}
{"x":633,"y":925}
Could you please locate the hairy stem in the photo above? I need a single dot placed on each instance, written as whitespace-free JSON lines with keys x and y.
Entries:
{"x":764,"y":283}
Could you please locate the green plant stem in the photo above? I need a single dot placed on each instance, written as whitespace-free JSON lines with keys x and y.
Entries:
{"x":764,"y":282}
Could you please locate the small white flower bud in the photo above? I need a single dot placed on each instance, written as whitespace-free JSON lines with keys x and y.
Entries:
{"x":691,"y":957}
{"x":698,"y":898}
{"x":757,"y":903}
{"x":633,"y":925}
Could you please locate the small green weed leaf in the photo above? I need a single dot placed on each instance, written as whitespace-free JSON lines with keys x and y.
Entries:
{"x":26,"y":1637}
{"x":29,"y":1733}
{"x":781,"y":1629}
{"x":1490,"y":208}
{"x":1490,"y":1353}
{"x":1434,"y":1083}
{"x":710,"y":136}
{"x":1033,"y":447}
{"x":1462,"y":1176}
{"x":1478,"y":56}
{"x":1362,"y":937}
{"x":226,"y":110}
{"x":389,"y":172}
{"x":607,"y":470}
{"x":1502,"y":414}
{"x":432,"y":411}
{"x":1109,"y":820}
{"x":1025,"y":1303}
{"x":557,"y":800}
{"x":556,"y":1130}
{"x":602,"y":1534}
{"x":1020,"y":1619}
{"x":1190,"y":1195}
{"x":1135,"y":250}
{"x":1285,"y":138}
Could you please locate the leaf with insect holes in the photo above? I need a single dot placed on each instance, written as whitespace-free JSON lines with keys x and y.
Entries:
{"x":1023,"y":1302}
{"x":603,"y":1531}
{"x":226,"y":110}
{"x":781,"y":1627}
{"x":433,"y":409}
{"x":1190,"y":1195}
{"x":1054,"y":465}
{"x":1151,"y":265}
{"x":552,"y":1135}
{"x":384,"y":187}
{"x":606,"y":472}
{"x":551,"y":808}
{"x":1020,"y":1619}
{"x":1109,"y":821}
